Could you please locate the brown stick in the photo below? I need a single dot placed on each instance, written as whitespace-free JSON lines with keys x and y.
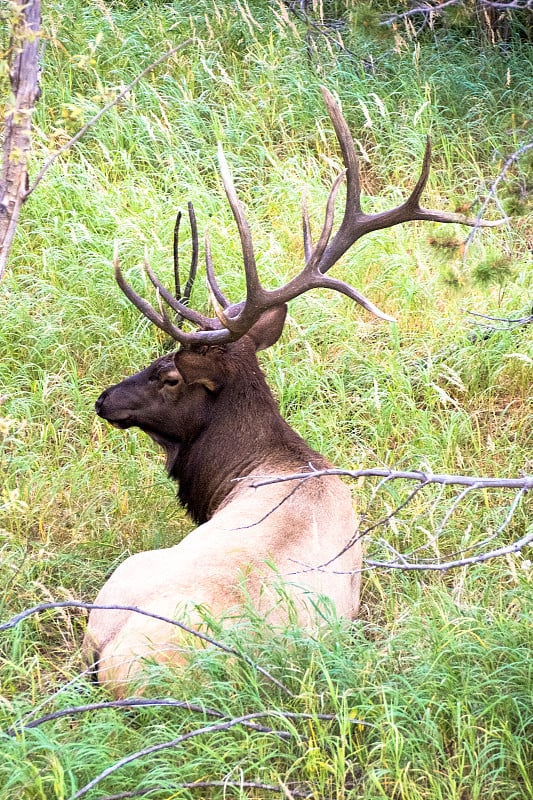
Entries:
{"x":23,"y":79}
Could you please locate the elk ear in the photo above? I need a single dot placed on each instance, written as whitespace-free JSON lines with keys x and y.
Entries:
{"x":268,"y":327}
{"x":196,"y":368}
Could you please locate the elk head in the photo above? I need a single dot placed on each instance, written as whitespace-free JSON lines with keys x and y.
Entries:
{"x":177,"y":397}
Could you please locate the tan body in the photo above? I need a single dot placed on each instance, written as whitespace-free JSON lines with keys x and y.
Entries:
{"x":209,"y":407}
{"x":235,"y":558}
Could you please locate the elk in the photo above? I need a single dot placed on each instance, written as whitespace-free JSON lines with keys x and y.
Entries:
{"x":210,"y":409}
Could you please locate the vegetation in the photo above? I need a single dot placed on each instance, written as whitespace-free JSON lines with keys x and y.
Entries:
{"x":438,"y":667}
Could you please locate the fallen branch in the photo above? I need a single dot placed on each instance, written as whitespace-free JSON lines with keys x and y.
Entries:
{"x":508,"y":324}
{"x":493,"y":193}
{"x":403,"y":564}
{"x":169,"y":702}
{"x":526,"y":482}
{"x":263,"y":787}
{"x":423,"y":479}
{"x":426,"y":10}
{"x":14,"y":621}
{"x":157,"y":748}
{"x":23,"y":79}
{"x":429,"y":8}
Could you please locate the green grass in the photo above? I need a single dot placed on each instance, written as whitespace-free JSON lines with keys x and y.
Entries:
{"x":438,"y":665}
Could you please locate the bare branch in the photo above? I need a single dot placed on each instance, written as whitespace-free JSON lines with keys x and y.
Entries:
{"x":444,"y":566}
{"x":427,"y":9}
{"x":402,"y":561}
{"x":512,"y":5}
{"x":430,"y":8}
{"x":493,"y":193}
{"x":264,"y":787}
{"x":11,"y":623}
{"x":169,"y":702}
{"x":49,"y":161}
{"x":23,"y":79}
{"x":526,"y":482}
{"x":157,"y":748}
{"x":510,"y":321}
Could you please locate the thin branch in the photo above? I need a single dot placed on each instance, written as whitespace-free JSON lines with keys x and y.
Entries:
{"x":428,"y":9}
{"x":383,"y":521}
{"x":521,"y":485}
{"x":130,"y":702}
{"x":11,"y":623}
{"x":444,"y":566}
{"x":509,"y":323}
{"x":512,"y":5}
{"x":458,"y":499}
{"x":492,"y":193}
{"x":525,"y":482}
{"x":169,"y":702}
{"x":425,"y":8}
{"x":156,"y":748}
{"x":51,"y":159}
{"x":264,"y":787}
{"x":477,"y":545}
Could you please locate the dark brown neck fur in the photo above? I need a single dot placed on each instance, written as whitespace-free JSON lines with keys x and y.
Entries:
{"x":246,"y":434}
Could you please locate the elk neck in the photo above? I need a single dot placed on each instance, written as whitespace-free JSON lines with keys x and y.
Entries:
{"x":245,"y":435}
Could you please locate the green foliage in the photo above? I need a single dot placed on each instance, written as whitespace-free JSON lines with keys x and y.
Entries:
{"x":438,"y":665}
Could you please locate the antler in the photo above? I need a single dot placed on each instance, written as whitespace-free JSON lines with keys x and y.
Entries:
{"x":233,"y":320}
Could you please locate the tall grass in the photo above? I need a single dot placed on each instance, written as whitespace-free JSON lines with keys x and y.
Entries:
{"x":438,"y":666}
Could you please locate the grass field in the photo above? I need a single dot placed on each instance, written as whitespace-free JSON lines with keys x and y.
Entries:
{"x":439,"y":666}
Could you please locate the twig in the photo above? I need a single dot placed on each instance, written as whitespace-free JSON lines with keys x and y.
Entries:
{"x":512,"y":5}
{"x":169,"y":702}
{"x":492,"y":193}
{"x":426,"y":9}
{"x":130,"y":702}
{"x":264,"y":787}
{"x":156,"y":748}
{"x":383,"y":521}
{"x":23,"y":79}
{"x":11,"y":623}
{"x":51,"y":159}
{"x":526,"y":482}
{"x":521,"y":485}
{"x":476,"y":545}
{"x":510,"y":323}
{"x":405,"y":565}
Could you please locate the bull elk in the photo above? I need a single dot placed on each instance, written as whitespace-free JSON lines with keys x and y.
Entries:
{"x":209,"y":407}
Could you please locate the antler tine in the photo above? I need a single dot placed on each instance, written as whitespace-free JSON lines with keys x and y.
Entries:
{"x":253,"y":287}
{"x":413,"y":201}
{"x":349,"y":156}
{"x":237,"y":319}
{"x":162,"y":321}
{"x":306,"y":230}
{"x":184,"y":298}
{"x":355,"y":223}
{"x":194,"y":255}
{"x":176,"y":245}
{"x":212,"y":283}
{"x":318,"y":251}
{"x":144,"y":307}
{"x":179,"y":307}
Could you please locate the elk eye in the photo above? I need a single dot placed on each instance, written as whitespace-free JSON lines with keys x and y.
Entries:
{"x":171,"y":381}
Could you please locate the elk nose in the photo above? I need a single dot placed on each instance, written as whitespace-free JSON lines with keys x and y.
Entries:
{"x":99,"y":403}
